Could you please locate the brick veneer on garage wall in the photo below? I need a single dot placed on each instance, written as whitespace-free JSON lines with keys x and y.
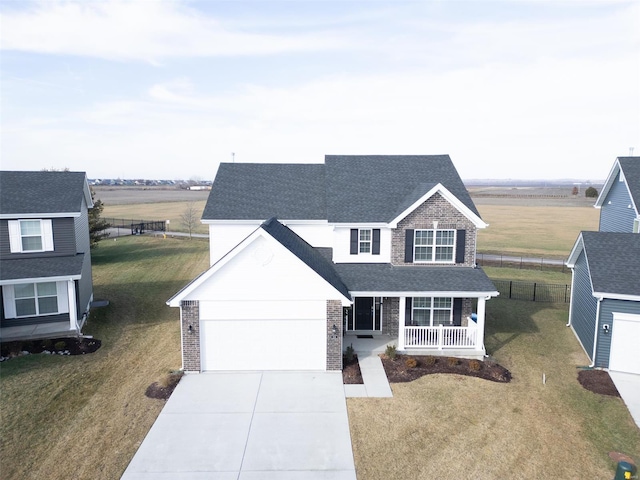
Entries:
{"x":190,"y":340}
{"x":439,"y":209}
{"x":334,"y":340}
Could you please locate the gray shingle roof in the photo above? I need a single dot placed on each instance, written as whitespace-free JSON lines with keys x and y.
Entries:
{"x":614,"y":261}
{"x":384,"y":277}
{"x":258,"y":191}
{"x":41,"y":267}
{"x":305,"y":252}
{"x":372,"y":188}
{"x":631,"y":169}
{"x":345,"y":189}
{"x":41,"y":192}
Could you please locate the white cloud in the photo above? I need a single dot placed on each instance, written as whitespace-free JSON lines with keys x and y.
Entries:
{"x":140,"y":30}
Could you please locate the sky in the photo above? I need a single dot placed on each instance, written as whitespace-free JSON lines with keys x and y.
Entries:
{"x":509,"y":89}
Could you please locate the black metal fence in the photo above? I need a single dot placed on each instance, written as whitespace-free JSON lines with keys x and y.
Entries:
{"x":533,"y":291}
{"x":512,"y":261}
{"x":120,"y":226}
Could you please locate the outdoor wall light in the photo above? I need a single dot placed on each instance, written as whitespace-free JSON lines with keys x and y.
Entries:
{"x":190,"y":329}
{"x":334,"y":329}
{"x":605,"y":327}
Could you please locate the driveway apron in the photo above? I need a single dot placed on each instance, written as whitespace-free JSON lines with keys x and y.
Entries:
{"x":248,"y":426}
{"x":628,"y":385}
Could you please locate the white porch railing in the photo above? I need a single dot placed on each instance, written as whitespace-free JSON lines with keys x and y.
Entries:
{"x":440,"y":337}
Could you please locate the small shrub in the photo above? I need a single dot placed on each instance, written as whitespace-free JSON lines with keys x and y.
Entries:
{"x":430,"y":361}
{"x":46,"y":344}
{"x":411,"y":362}
{"x":391,"y":352}
{"x":453,"y":361}
{"x":475,"y":365}
{"x":349,"y":353}
{"x":61,"y":345}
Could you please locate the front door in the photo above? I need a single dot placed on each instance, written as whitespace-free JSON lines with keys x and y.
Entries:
{"x":364,"y":313}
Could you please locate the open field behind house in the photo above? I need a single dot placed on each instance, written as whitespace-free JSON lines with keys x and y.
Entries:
{"x":534,"y":231}
{"x":157,"y":211}
{"x":83,"y":417}
{"x":121,"y":195}
{"x":449,"y":426}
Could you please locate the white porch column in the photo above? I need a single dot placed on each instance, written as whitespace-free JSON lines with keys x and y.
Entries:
{"x":481,"y":321}
{"x":401,"y":322}
{"x":73,"y":311}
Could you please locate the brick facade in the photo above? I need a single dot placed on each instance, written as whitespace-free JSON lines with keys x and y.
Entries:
{"x":436,"y":208}
{"x":334,"y":340}
{"x":390,"y":315}
{"x":190,"y":339}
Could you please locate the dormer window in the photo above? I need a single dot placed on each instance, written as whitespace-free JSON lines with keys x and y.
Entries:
{"x":27,"y":236}
{"x":365,"y":241}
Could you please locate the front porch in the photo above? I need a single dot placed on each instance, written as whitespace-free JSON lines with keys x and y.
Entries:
{"x":36,"y":332}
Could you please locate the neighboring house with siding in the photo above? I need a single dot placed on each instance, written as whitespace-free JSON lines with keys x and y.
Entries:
{"x":605,"y":301}
{"x":306,"y":256}
{"x":619,"y":200}
{"x":45,"y":260}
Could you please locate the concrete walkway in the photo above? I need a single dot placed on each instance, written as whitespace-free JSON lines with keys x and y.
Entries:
{"x":373,"y":376}
{"x":250,"y":426}
{"x":628,"y":385}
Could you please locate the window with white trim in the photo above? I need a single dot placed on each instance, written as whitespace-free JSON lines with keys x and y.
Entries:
{"x":433,"y":245}
{"x":33,"y":299}
{"x":364,"y":240}
{"x":432,"y":311}
{"x":26,"y":236}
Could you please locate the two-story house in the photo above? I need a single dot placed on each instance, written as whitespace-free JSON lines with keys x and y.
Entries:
{"x":45,"y":261}
{"x":605,"y":302}
{"x":305,"y":255}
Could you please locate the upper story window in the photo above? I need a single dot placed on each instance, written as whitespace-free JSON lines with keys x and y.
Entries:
{"x":31,"y":234}
{"x":32,"y":299}
{"x":434,"y":245}
{"x":27,"y":236}
{"x":365,"y":241}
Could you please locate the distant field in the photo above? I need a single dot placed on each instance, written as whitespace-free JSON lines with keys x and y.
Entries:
{"x":536,"y":231}
{"x":522,"y":222}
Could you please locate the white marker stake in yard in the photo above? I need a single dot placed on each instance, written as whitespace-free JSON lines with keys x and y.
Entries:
{"x":544,"y":378}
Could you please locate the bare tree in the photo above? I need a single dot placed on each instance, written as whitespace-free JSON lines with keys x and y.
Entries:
{"x":189,"y":217}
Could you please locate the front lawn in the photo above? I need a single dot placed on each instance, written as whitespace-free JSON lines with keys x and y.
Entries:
{"x":83,"y":417}
{"x":446,"y":427}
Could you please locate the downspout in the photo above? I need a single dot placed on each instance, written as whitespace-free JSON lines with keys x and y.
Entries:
{"x":573,"y":279}
{"x":595,"y":336}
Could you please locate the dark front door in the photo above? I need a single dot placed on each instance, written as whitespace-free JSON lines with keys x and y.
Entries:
{"x":364,"y":313}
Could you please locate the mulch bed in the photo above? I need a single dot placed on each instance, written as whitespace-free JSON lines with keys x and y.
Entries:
{"x":403,"y":369}
{"x":57,"y":346}
{"x":598,"y":381}
{"x":351,"y":374}
{"x":164,"y":391}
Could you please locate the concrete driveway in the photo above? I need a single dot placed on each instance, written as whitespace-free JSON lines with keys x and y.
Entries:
{"x":249,"y":426}
{"x":628,"y":385}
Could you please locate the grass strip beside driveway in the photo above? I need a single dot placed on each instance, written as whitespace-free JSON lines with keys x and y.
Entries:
{"x":449,"y":426}
{"x":83,"y":417}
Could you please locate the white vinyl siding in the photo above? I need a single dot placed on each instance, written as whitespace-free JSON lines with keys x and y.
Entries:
{"x":434,"y":245}
{"x":27,"y":236}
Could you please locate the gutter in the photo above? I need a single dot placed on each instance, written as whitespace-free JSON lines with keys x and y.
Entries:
{"x":571,"y":299}
{"x":595,"y":336}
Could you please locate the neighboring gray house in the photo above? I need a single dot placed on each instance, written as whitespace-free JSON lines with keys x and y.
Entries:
{"x":45,"y":259}
{"x":619,"y":200}
{"x":605,"y":301}
{"x":303,"y":255}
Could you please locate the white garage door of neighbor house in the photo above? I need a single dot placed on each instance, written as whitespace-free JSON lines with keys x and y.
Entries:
{"x":625,"y":344}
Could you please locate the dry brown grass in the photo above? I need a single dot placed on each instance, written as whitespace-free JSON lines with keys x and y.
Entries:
{"x":537,"y":231}
{"x":157,"y":211}
{"x":83,"y":417}
{"x":450,"y":427}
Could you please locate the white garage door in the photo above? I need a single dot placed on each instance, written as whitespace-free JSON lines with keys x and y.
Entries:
{"x":625,"y":344}
{"x":264,"y":343}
